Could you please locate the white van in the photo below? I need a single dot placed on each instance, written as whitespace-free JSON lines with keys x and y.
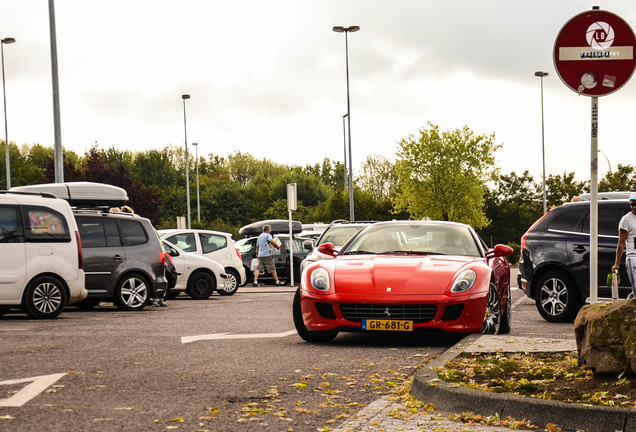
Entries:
{"x":41,"y":251}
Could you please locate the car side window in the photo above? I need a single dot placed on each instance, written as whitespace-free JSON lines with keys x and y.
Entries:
{"x":42,"y":224}
{"x":91,"y":232}
{"x":184,"y":241}
{"x":112,"y":234}
{"x":608,"y":219}
{"x":568,"y":220}
{"x":212,"y":242}
{"x":10,"y":225}
{"x":132,"y":232}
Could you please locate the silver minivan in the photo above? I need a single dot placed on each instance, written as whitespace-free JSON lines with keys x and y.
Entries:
{"x":42,"y":262}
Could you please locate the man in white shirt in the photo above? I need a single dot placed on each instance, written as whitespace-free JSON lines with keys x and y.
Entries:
{"x":627,"y":243}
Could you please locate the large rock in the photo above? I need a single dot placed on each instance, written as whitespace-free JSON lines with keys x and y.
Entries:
{"x":606,"y":337}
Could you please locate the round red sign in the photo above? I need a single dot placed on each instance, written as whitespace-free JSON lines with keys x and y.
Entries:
{"x":594,"y":53}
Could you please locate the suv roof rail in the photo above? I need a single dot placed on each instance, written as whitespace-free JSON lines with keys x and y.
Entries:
{"x":42,"y":194}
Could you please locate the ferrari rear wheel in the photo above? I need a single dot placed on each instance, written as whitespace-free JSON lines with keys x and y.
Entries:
{"x":492,"y":318}
{"x":303,"y":332}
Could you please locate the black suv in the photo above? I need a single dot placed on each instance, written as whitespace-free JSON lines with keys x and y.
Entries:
{"x":122,"y":259}
{"x":554,"y":267}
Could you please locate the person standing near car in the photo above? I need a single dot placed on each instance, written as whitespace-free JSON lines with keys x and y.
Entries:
{"x":627,"y":244}
{"x":265,"y":259}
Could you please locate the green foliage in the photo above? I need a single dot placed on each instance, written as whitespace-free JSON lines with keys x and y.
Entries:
{"x":623,"y":179}
{"x":562,"y":188}
{"x":444,"y":175}
{"x":512,"y":205}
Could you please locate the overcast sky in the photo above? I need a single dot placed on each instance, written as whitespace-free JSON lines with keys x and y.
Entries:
{"x":268,"y":78}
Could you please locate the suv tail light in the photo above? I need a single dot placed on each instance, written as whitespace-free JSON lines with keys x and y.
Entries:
{"x":162,"y":258}
{"x":80,"y":253}
{"x":524,"y":245}
{"x":239,"y":254}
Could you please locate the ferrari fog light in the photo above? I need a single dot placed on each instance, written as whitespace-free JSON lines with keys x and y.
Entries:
{"x":464,"y":281}
{"x":320,"y":279}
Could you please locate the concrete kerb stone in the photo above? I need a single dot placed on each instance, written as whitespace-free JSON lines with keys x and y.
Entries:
{"x":568,"y":416}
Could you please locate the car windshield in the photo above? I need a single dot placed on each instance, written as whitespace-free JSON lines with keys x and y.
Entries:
{"x":338,"y":235}
{"x":414,"y":239}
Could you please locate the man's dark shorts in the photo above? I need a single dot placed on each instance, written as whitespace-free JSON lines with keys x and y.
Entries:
{"x":267,"y":264}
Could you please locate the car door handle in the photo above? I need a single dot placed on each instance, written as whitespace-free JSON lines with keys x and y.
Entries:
{"x":118,"y":257}
{"x":579,"y":249}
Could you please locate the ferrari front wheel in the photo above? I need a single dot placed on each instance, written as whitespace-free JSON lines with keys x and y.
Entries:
{"x":303,"y":332}
{"x":492,"y":317}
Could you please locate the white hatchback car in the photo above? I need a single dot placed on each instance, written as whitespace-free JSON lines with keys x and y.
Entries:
{"x":41,"y":253}
{"x":215,"y":245}
{"x":198,"y":276}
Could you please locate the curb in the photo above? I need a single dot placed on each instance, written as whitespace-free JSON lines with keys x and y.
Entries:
{"x":569,"y":416}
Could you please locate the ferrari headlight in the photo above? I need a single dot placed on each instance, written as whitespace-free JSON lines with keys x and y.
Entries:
{"x":464,"y":281}
{"x":320,"y":279}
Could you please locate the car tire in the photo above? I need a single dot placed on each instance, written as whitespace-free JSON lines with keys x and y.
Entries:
{"x":200,"y":285}
{"x":506,"y":319}
{"x":303,"y":332}
{"x":557,"y":297}
{"x":132,"y":293}
{"x":231,"y":285}
{"x":44,"y":298}
{"x":492,"y":317}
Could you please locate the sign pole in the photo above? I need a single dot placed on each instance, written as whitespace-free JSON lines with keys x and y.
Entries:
{"x":292,"y":205}
{"x":594,"y":204}
{"x":594,"y":56}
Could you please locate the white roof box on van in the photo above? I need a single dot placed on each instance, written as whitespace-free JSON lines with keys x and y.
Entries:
{"x":81,"y":194}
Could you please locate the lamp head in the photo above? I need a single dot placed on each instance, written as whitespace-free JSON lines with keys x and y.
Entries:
{"x":338,"y":29}
{"x":540,"y":74}
{"x":8,"y":40}
{"x":353,"y":28}
{"x":185,"y":96}
{"x":195,"y":144}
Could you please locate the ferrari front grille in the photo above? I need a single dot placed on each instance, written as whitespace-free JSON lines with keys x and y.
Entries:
{"x":418,"y":313}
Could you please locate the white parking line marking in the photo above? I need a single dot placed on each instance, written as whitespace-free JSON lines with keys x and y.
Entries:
{"x":518,"y":302}
{"x":218,"y":336}
{"x":37,"y":386}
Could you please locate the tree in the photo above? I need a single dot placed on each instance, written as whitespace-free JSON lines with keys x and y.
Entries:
{"x":379,"y":177}
{"x":623,"y":179}
{"x":444,"y":175}
{"x":512,"y":206}
{"x":562,"y":188}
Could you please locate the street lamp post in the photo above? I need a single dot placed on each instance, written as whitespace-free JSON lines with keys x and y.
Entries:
{"x":344,"y":134}
{"x":7,"y":164}
{"x":607,"y":159}
{"x":187,"y":167}
{"x":196,"y":155}
{"x":542,"y":74}
{"x":346,"y":30}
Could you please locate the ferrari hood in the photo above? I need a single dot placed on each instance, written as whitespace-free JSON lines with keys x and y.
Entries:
{"x":379,"y":274}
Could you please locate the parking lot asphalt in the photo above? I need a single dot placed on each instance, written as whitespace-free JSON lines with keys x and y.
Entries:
{"x":449,"y":398}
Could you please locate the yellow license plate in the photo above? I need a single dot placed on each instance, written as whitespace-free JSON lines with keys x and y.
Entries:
{"x":387,"y":325}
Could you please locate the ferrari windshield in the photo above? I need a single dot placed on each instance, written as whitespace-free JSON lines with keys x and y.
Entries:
{"x":414,"y":238}
{"x":339,"y":234}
